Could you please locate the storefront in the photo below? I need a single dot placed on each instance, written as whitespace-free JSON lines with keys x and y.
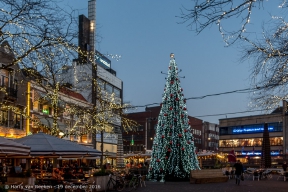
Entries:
{"x":244,"y":135}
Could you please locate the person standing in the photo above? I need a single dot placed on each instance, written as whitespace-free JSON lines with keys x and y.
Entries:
{"x":284,"y":166}
{"x":238,"y":171}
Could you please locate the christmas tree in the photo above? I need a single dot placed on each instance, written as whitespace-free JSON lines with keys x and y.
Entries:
{"x":173,"y":151}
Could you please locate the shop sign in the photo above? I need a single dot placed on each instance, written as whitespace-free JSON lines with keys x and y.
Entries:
{"x":251,"y":130}
{"x":107,"y":138}
{"x":259,"y":153}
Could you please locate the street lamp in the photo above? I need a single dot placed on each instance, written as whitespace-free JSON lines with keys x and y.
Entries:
{"x":209,"y":139}
{"x":106,"y":155}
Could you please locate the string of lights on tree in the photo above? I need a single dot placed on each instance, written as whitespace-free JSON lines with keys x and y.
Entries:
{"x":173,"y":150}
{"x":267,"y":49}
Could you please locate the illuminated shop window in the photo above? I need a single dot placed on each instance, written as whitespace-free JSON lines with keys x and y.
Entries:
{"x":257,"y":142}
{"x":17,"y":120}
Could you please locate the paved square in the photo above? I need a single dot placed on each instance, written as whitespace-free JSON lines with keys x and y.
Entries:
{"x":272,"y":185}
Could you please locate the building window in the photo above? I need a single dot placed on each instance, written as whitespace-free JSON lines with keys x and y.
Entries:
{"x":44,"y":82}
{"x":109,"y":88}
{"x":35,"y":105}
{"x":101,"y":84}
{"x":46,"y":109}
{"x":4,"y":118}
{"x":140,"y":128}
{"x":117,"y":92}
{"x":15,"y":86}
{"x":4,"y":81}
{"x":17,"y":121}
{"x":40,"y":107}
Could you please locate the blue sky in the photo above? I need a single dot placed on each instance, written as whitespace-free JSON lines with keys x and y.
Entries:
{"x":145,"y":32}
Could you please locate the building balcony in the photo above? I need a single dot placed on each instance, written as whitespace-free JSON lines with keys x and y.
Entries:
{"x":12,"y":92}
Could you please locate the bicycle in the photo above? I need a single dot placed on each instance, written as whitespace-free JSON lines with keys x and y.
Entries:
{"x":115,"y":184}
{"x":135,"y":182}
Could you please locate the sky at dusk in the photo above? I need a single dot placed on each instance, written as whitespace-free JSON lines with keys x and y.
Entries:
{"x":145,"y":32}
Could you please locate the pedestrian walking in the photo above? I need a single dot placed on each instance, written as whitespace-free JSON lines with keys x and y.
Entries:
{"x":238,"y":171}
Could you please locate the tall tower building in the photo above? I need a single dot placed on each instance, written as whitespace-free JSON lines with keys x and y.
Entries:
{"x":91,"y":65}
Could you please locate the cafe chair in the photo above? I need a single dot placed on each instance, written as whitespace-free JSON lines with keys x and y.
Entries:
{"x":256,"y":175}
{"x":227,"y":173}
{"x":281,"y":174}
{"x":248,"y":173}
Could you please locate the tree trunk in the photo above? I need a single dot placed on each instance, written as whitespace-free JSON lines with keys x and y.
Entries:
{"x":101,"y":148}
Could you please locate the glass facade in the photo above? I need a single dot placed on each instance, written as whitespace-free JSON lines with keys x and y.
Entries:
{"x":248,"y":129}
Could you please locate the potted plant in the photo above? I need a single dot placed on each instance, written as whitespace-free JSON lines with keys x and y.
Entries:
{"x":101,"y":179}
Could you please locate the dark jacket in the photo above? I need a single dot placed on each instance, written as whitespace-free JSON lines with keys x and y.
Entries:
{"x":284,"y":166}
{"x":238,"y":168}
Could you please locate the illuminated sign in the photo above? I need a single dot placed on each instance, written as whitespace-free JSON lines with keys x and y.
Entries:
{"x":259,"y":153}
{"x":102,"y":60}
{"x":245,"y":130}
{"x":46,"y":111}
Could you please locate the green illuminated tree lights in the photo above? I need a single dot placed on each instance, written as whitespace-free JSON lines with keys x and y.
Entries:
{"x":173,"y":150}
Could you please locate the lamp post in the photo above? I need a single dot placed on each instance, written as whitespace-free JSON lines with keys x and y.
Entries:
{"x":209,"y":139}
{"x":106,"y":155}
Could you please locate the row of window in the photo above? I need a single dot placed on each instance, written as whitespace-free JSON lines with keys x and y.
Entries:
{"x":8,"y":81}
{"x":197,"y":140}
{"x":134,"y":137}
{"x":15,"y":120}
{"x":109,"y":88}
{"x":213,"y":136}
{"x":213,"y":144}
{"x":196,"y":132}
{"x":131,"y":148}
{"x":212,"y":127}
{"x":248,"y":129}
{"x":249,"y":142}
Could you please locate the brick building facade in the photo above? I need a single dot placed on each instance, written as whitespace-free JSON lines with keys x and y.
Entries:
{"x":141,"y":138}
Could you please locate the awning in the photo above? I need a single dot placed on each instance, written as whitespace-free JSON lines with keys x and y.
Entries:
{"x":48,"y":122}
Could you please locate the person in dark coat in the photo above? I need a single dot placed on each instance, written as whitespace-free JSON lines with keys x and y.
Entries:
{"x":238,"y":171}
{"x":284,"y":166}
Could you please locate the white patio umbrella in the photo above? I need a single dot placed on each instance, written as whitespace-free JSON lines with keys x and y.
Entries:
{"x":47,"y":145}
{"x":11,"y":148}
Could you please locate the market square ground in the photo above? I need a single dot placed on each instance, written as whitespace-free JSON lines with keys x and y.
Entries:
{"x":248,"y":185}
